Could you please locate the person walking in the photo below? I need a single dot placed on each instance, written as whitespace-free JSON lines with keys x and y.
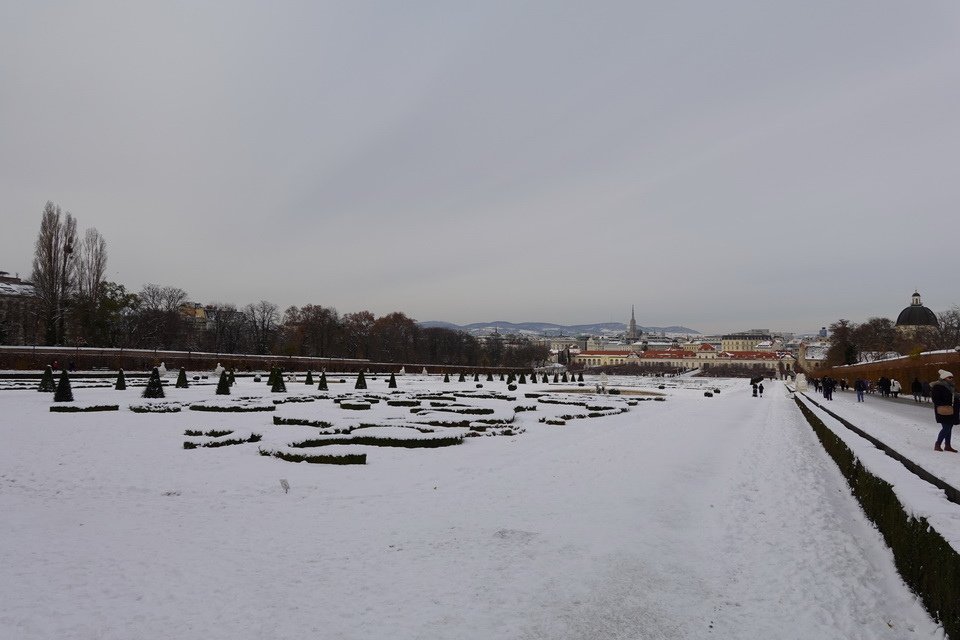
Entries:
{"x":943,"y":394}
{"x":860,"y":386}
{"x":916,"y":387}
{"x":895,"y":388}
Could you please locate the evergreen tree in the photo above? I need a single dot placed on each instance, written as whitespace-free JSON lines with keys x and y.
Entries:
{"x":501,"y":376}
{"x":523,"y":378}
{"x":223,"y":385}
{"x":361,"y":381}
{"x":510,"y":378}
{"x":446,"y":377}
{"x":279,"y":386}
{"x":47,"y":383}
{"x":233,"y":377}
{"x":182,"y":379}
{"x":154,"y":386}
{"x":489,"y":377}
{"x":309,"y":380}
{"x":272,"y":379}
{"x":564,"y":378}
{"x":476,"y":377}
{"x":556,"y":377}
{"x":581,"y":378}
{"x":545,"y":380}
{"x":64,"y":392}
{"x":323,"y":382}
{"x":461,"y":378}
{"x":121,"y":381}
{"x":392,"y":384}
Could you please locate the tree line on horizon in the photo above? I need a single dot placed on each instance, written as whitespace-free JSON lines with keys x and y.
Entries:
{"x":77,"y":306}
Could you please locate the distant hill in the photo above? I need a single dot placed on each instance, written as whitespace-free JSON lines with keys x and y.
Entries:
{"x":551,"y":329}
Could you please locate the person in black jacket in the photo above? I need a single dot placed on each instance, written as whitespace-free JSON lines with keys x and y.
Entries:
{"x":917,"y":388}
{"x":943,"y":394}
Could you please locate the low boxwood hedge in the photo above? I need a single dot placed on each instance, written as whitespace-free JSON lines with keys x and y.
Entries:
{"x":66,"y":408}
{"x":349,"y":458}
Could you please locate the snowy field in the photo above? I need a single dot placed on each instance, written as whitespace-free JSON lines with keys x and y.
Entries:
{"x":691,"y":517}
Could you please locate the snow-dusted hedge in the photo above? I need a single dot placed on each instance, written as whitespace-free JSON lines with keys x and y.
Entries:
{"x":349,"y":458}
{"x":155,"y":408}
{"x":254,"y":437}
{"x":927,"y":562}
{"x":232,"y":408}
{"x":377,"y":441}
{"x":322,"y":424}
{"x":67,"y":408}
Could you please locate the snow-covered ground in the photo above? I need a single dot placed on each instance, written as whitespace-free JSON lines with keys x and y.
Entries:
{"x":693,"y":517}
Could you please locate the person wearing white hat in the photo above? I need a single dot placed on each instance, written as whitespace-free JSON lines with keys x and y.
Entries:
{"x":943,"y":394}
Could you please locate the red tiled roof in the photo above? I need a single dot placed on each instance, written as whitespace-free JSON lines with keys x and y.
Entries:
{"x":606,"y":353}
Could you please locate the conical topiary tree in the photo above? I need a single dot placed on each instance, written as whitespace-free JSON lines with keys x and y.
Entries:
{"x":510,"y":378}
{"x":489,"y":377}
{"x":446,"y":377}
{"x":392,"y":383}
{"x":361,"y":381}
{"x":476,"y":377}
{"x":182,"y":379}
{"x":154,"y":386}
{"x":121,"y":381}
{"x":564,"y":377}
{"x":272,"y":379}
{"x":47,"y":383}
{"x":461,"y":378}
{"x":278,"y":386}
{"x":323,"y":382}
{"x":232,"y":377}
{"x":523,"y":378}
{"x":580,"y":379}
{"x":309,"y":379}
{"x":545,"y":379}
{"x":501,"y":376}
{"x":556,"y":377}
{"x":223,"y":386}
{"x":64,"y":392}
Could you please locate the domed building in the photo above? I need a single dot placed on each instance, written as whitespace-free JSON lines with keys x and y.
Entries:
{"x":916,"y":317}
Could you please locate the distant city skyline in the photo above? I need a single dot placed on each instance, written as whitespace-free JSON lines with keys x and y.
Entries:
{"x":721,"y":166}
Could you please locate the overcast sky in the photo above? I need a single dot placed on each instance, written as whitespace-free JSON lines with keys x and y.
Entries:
{"x":721,"y":165}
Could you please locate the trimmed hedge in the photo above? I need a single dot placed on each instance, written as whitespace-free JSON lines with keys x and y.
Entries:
{"x":212,"y":433}
{"x":233,"y":409}
{"x":351,"y":458}
{"x":322,"y":424}
{"x":68,"y":408}
{"x":408,"y":443}
{"x":254,"y":437}
{"x":927,"y":562}
{"x":157,"y":408}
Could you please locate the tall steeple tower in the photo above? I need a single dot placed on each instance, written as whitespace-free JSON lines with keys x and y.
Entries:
{"x":632,"y":330}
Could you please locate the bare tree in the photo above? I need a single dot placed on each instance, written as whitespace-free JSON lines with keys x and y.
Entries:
{"x":153,"y":297}
{"x":53,"y":269}
{"x":262,"y":318}
{"x":91,"y":265}
{"x":91,"y":260}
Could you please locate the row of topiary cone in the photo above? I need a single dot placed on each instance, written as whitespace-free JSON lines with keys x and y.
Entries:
{"x":63,"y":392}
{"x":511,"y":378}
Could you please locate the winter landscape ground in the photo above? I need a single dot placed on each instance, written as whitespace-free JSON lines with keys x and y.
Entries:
{"x":686,"y":517}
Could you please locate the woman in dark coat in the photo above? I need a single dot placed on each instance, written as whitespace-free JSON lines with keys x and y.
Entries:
{"x":943,"y":394}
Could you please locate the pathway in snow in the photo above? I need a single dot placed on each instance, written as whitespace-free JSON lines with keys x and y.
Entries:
{"x":693,"y":518}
